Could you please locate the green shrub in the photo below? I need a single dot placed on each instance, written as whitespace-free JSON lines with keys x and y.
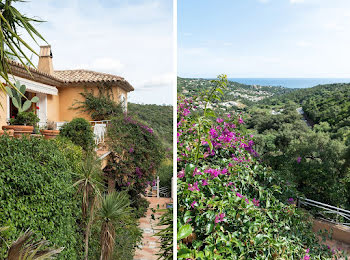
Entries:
{"x":79,"y":131}
{"x":73,"y":153}
{"x":25,"y":118}
{"x":227,"y":200}
{"x":36,"y":192}
{"x":165,"y":173}
{"x":140,"y":149}
{"x":101,"y":106}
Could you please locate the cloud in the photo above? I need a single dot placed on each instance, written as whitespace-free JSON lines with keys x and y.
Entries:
{"x":157,"y":81}
{"x":264,"y":1}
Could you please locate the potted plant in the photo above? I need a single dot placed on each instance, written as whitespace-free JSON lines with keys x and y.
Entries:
{"x":8,"y":132}
{"x":50,"y":130}
{"x":24,"y":122}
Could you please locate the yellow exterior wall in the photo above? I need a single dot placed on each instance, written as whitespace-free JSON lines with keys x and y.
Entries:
{"x":3,"y":108}
{"x":53,"y":108}
{"x":69,"y":95}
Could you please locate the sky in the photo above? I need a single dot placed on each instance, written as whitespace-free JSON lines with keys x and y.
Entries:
{"x":264,"y":38}
{"x":129,"y":38}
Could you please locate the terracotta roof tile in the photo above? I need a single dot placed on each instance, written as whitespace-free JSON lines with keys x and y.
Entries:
{"x":88,"y":76}
{"x":66,"y":78}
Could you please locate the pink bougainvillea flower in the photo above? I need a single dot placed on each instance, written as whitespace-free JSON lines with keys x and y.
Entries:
{"x":186,"y":112}
{"x":196,"y":172}
{"x":239,"y":195}
{"x":219,"y":120}
{"x":193,"y":203}
{"x":193,"y":187}
{"x":224,"y":171}
{"x":240,"y":120}
{"x":299,"y":159}
{"x":181,"y":173}
{"x":219,"y":218}
{"x":256,"y":202}
{"x":204,"y":182}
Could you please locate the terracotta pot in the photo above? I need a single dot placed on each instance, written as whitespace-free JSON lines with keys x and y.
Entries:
{"x":49,"y":134}
{"x":9,"y":132}
{"x":19,"y":130}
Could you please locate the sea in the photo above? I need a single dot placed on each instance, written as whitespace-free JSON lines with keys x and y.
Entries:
{"x":290,"y":82}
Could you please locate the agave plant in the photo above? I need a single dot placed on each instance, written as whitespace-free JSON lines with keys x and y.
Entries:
{"x":113,"y":207}
{"x":27,"y":248}
{"x":16,"y":97}
{"x":11,"y":44}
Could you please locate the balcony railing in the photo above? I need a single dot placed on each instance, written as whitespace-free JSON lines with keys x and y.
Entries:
{"x":326,"y":212}
{"x":99,"y":128}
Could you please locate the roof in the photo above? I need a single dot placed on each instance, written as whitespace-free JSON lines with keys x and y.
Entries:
{"x":88,"y":76}
{"x":67,"y":78}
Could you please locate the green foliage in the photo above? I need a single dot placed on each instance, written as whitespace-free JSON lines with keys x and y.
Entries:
{"x":165,"y":173}
{"x":166,"y":235}
{"x":25,"y":118}
{"x":128,"y":237}
{"x":311,"y":159}
{"x":137,"y":153}
{"x":236,"y":95}
{"x":73,"y":153}
{"x":101,"y":106}
{"x":159,"y":117}
{"x":114,"y":207}
{"x":16,"y":96}
{"x":79,"y":131}
{"x":323,"y":103}
{"x":230,"y":206}
{"x":139,"y":204}
{"x":12,"y":44}
{"x":37,"y":193}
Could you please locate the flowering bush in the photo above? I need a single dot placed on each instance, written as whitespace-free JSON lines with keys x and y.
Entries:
{"x":137,"y":153}
{"x":227,"y":201}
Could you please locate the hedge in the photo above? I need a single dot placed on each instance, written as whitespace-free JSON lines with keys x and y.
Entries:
{"x":36,"y":192}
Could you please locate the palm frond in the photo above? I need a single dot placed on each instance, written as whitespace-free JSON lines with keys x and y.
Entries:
{"x":12,"y":45}
{"x":26,"y":248}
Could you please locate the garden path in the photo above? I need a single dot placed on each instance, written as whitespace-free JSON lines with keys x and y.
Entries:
{"x":150,"y":243}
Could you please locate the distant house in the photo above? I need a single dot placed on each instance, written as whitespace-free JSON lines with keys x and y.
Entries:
{"x":59,"y":90}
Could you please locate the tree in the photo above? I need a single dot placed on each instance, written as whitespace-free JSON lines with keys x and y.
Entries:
{"x":114,"y":206}
{"x":89,"y":186}
{"x":12,"y":44}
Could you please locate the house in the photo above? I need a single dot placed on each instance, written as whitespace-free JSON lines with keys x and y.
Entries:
{"x":58,"y":90}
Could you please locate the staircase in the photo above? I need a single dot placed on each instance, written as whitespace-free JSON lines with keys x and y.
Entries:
{"x":150,"y":243}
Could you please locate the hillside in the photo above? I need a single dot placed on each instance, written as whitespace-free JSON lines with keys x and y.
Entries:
{"x":235,"y":95}
{"x":158,"y":117}
{"x":323,"y":103}
{"x":311,"y":149}
{"x":230,"y":205}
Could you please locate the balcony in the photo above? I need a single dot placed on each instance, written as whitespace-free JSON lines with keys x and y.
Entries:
{"x":99,"y":128}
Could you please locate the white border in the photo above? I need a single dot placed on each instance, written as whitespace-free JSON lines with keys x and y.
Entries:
{"x":174,"y":188}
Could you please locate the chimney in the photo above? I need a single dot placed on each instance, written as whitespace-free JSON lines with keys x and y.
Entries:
{"x":45,"y":59}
